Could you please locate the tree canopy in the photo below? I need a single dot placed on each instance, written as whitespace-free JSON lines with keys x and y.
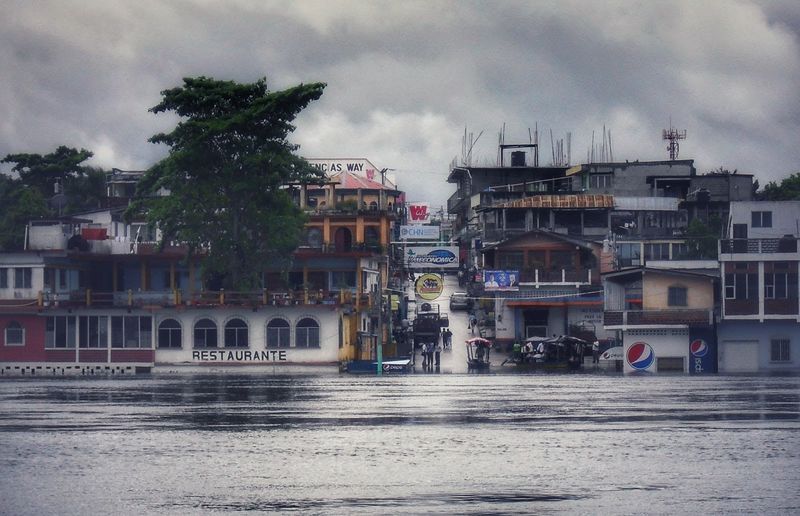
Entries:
{"x":44,"y":171}
{"x":20,"y":203}
{"x":228,"y":165}
{"x":787,"y":190}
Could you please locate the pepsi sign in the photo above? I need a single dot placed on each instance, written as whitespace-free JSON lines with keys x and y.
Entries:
{"x":640,"y":356}
{"x":702,"y":350}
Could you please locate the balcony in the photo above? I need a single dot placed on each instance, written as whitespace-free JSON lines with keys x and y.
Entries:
{"x":787,"y":244}
{"x":454,"y":201}
{"x":538,"y":277}
{"x":171,"y":298}
{"x":617,"y":319}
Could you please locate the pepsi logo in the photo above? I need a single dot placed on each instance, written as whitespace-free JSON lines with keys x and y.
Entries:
{"x":698,"y":348}
{"x":640,"y":356}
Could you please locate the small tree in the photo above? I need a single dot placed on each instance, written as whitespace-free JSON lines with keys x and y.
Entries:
{"x":226,"y":172}
{"x":787,"y":190}
{"x":45,"y":171}
{"x":20,"y":204}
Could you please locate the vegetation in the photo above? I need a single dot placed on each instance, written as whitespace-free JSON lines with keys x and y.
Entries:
{"x":226,"y":171}
{"x":787,"y":190}
{"x":701,"y":238}
{"x":48,"y":185}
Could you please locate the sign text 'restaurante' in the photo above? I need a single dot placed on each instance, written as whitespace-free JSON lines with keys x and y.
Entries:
{"x":246,"y":355}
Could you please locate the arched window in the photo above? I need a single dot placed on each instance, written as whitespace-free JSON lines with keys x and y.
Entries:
{"x":236,"y":334}
{"x":307,"y":333}
{"x":169,"y":334}
{"x":205,"y":334}
{"x":278,"y":333}
{"x":373,"y":206}
{"x":15,"y":334}
{"x":343,"y":239}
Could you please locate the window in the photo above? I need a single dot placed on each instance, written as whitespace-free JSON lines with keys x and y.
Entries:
{"x":628,"y":255}
{"x":656,"y":251}
{"x":22,"y":277}
{"x":205,"y":334}
{"x":278,"y":333}
{"x":741,"y":285}
{"x":15,"y":334}
{"x":131,"y":331}
{"x":169,"y":334}
{"x":677,"y":296}
{"x":236,"y":334}
{"x":59,"y":332}
{"x":307,"y":333}
{"x":776,"y":285}
{"x":761,"y":219}
{"x":93,"y":331}
{"x":779,"y":350}
{"x":680,"y":251}
{"x":512,"y":260}
{"x":3,"y":277}
{"x":601,"y":181}
{"x":343,"y":279}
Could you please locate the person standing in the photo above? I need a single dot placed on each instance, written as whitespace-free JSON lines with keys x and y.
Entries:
{"x":437,"y":355}
{"x":424,"y":355}
{"x":596,"y":352}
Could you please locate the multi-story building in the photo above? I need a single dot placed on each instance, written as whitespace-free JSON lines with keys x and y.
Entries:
{"x":759,"y":260}
{"x":666,"y":317}
{"x":92,"y":295}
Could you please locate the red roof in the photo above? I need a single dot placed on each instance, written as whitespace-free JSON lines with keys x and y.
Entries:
{"x":351,"y":181}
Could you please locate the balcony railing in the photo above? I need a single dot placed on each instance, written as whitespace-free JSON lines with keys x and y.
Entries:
{"x":691,"y":317}
{"x":557,"y":277}
{"x":758,"y":245}
{"x":169,"y":298}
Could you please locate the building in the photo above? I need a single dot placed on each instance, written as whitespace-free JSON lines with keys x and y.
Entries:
{"x":666,"y":318}
{"x":758,"y":262}
{"x":91,"y":294}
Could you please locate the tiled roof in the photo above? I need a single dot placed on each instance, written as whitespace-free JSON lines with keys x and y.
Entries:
{"x":351,"y":181}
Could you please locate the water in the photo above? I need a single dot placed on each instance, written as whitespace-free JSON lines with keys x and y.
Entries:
{"x":323,"y":443}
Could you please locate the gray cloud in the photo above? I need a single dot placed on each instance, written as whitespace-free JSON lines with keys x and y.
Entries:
{"x":406,"y":78}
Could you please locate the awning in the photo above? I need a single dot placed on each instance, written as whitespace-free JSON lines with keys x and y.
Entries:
{"x":573,"y":170}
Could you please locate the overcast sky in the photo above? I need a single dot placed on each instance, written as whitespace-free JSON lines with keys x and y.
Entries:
{"x":407,"y":79}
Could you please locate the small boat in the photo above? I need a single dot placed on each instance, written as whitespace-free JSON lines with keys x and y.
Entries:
{"x":478,"y":353}
{"x":394,"y":365}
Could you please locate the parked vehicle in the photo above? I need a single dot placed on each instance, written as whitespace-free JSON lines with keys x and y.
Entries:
{"x":478,"y":353}
{"x":460,"y":301}
{"x":428,"y":323}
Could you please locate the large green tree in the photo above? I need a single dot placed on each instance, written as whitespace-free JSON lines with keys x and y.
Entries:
{"x":787,"y":190}
{"x":20,"y":203}
{"x":226,"y":172}
{"x":45,"y":171}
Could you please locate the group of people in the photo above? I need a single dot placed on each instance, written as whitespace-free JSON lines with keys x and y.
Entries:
{"x":447,"y":338}
{"x":431,"y":354}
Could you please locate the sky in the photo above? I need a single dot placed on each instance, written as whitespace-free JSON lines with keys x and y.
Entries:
{"x":407,"y":80}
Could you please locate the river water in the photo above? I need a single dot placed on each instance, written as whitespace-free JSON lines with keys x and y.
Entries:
{"x":317,"y":442}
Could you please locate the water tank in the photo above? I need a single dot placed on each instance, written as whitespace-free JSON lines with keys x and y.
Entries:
{"x":518,"y":159}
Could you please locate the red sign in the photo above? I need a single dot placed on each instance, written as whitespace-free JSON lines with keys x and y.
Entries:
{"x":418,"y":213}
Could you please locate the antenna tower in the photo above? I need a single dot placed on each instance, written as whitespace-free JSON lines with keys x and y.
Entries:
{"x":673,"y":135}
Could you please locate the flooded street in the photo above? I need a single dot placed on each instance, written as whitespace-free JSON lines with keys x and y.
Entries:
{"x":319,"y":442}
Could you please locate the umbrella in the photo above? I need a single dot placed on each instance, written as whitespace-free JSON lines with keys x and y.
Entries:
{"x":479,"y":341}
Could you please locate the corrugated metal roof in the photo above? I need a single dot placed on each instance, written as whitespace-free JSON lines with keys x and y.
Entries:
{"x":646,"y":203}
{"x":562,"y":201}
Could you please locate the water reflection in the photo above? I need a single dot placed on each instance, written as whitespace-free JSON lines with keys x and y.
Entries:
{"x":447,"y":443}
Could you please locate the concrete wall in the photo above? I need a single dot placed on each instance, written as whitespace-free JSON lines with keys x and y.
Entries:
{"x":655,"y":291}
{"x":785,"y":218}
{"x":664,"y":343}
{"x":762,"y":333}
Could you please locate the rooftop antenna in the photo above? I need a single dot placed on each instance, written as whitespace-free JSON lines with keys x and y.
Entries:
{"x":673,"y":135}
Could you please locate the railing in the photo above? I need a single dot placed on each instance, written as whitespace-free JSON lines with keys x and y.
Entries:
{"x":455,"y":200}
{"x":758,"y":245}
{"x":657,"y":317}
{"x":557,"y":277}
{"x":166,"y":298}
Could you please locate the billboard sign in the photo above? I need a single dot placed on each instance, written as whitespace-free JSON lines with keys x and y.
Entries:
{"x":440,"y":257}
{"x":419,"y":232}
{"x":429,"y":286}
{"x":702,"y":350}
{"x":418,"y":213}
{"x":498,"y":280}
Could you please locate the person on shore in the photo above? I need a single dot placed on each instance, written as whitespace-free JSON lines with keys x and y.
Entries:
{"x":596,"y":352}
{"x":448,"y":339}
{"x":437,"y":355}
{"x":424,"y":354}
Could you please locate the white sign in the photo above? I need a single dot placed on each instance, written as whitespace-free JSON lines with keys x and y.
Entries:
{"x":442,"y":257}
{"x":419,"y":232}
{"x":419,"y":213}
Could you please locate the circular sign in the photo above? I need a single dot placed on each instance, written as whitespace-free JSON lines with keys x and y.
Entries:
{"x":429,"y":286}
{"x":640,"y":356}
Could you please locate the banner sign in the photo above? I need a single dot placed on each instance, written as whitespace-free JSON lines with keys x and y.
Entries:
{"x":418,"y":213}
{"x":429,"y":286}
{"x":441,"y":257}
{"x":500,"y":280}
{"x":419,"y":232}
{"x":702,"y":350}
